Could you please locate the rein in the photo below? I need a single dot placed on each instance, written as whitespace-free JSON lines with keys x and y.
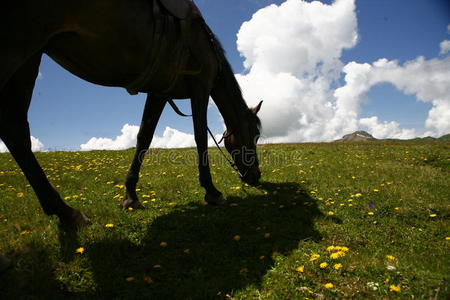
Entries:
{"x":230,"y":162}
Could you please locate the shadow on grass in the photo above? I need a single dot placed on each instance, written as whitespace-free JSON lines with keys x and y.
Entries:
{"x":202,"y":258}
{"x":32,"y":275}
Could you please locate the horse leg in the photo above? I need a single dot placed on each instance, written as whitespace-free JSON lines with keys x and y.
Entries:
{"x":154,"y":106}
{"x":15,"y":97}
{"x":199,"y":106}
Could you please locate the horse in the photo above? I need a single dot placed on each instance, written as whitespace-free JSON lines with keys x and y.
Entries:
{"x":163,"y":48}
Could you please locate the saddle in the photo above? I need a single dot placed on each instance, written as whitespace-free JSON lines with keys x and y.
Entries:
{"x":183,"y":12}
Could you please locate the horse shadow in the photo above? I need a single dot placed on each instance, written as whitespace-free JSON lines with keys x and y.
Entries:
{"x":198,"y":252}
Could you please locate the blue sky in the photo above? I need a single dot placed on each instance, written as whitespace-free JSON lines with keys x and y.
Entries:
{"x":67,"y":111}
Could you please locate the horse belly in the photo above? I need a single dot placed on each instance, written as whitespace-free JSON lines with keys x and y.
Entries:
{"x":96,"y":60}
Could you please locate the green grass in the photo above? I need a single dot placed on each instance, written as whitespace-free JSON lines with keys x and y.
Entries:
{"x":312,"y":196}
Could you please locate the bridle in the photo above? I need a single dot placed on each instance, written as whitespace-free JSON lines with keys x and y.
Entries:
{"x":224,"y":136}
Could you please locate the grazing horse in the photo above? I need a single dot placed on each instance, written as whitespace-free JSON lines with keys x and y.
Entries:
{"x":160,"y":47}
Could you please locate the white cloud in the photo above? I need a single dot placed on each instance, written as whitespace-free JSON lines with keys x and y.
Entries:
{"x":124,"y":141}
{"x":171,"y":138}
{"x":427,"y":80}
{"x":386,"y":129}
{"x":445,"y":47}
{"x":36,"y":145}
{"x":292,"y":55}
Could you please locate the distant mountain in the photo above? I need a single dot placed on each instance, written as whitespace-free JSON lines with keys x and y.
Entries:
{"x":357,"y":136}
{"x":362,"y":136}
{"x":444,"y":138}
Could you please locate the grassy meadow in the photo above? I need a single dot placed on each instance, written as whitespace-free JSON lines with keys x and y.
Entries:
{"x":332,"y":220}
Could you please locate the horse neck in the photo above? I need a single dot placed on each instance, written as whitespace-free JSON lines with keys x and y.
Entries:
{"x":228,"y":98}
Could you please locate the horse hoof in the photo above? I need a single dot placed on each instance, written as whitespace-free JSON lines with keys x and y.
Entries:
{"x":128,"y":203}
{"x":4,"y":263}
{"x":214,"y":199}
{"x":76,"y":220}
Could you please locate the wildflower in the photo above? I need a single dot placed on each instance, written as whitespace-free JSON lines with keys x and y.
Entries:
{"x":300,"y":269}
{"x":20,"y":195}
{"x":157,"y":266}
{"x":397,"y":208}
{"x":370,"y":213}
{"x":394,"y":288}
{"x":391,"y":268}
{"x":323,"y":265}
{"x":148,"y":279}
{"x":390,"y":257}
{"x":371,"y":204}
{"x":330,"y":213}
{"x":163,"y":244}
{"x":433,"y":215}
{"x":337,"y":254}
{"x":130,"y":208}
{"x":243,"y":271}
{"x":237,"y":238}
{"x":314,"y":257}
{"x":357,"y":195}
{"x":373,"y":285}
{"x":109,"y":225}
{"x":328,"y":285}
{"x":80,"y":250}
{"x":337,"y":266}
{"x":376,"y":190}
{"x":129,"y":279}
{"x":447,"y":238}
{"x":330,"y":248}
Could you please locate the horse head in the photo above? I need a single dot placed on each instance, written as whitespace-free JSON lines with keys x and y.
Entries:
{"x":242,"y":146}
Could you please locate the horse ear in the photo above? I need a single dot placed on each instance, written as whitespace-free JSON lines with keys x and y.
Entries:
{"x":256,"y":109}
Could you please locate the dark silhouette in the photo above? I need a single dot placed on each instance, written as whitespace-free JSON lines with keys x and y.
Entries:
{"x":160,"y":47}
{"x":202,"y":260}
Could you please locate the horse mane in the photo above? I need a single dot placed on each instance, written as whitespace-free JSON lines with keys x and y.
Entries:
{"x":226,"y":69}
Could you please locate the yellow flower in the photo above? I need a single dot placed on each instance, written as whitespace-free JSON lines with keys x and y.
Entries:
{"x":330,"y":248}
{"x":243,"y":271}
{"x":323,"y":265}
{"x":370,"y":213}
{"x":337,"y":254}
{"x":300,"y":269}
{"x":130,"y":208}
{"x":376,"y":190}
{"x":314,"y":257}
{"x":330,"y":213}
{"x":148,"y":279}
{"x":20,"y":195}
{"x":328,"y":285}
{"x":79,"y":250}
{"x":447,"y":238}
{"x":357,"y":195}
{"x":337,"y":266}
{"x":390,"y":257}
{"x":433,"y":215}
{"x":395,"y":288}
{"x":109,"y":225}
{"x":163,"y":244}
{"x":237,"y":238}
